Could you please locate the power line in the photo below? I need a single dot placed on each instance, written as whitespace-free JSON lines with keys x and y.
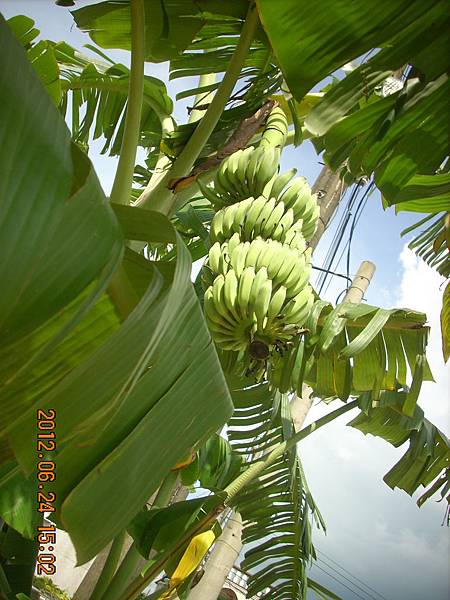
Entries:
{"x":354,"y":576}
{"x":331,"y":272}
{"x":348,"y":579}
{"x":339,"y":234}
{"x":358,"y":213}
{"x":340,"y":582}
{"x":340,"y":231}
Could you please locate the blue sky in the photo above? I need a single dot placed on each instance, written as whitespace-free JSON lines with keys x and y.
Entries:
{"x":378,"y":534}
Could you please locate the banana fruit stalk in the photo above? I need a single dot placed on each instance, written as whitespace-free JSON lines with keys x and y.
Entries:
{"x":256,"y":278}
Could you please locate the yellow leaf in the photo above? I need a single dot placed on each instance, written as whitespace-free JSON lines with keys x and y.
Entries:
{"x":192,"y":557}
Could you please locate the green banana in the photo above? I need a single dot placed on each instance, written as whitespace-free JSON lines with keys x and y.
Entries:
{"x":255,"y":249}
{"x":214,"y":255}
{"x":284,"y":225}
{"x":245,"y":285}
{"x":260,"y":278}
{"x":273,"y":220}
{"x":234,"y":241}
{"x":264,"y":216}
{"x":299,"y":305}
{"x":276,"y":129}
{"x":281,"y":182}
{"x":215,"y":232}
{"x":253,"y":167}
{"x":262,"y":303}
{"x":230,"y":293}
{"x":209,"y":193}
{"x":267,"y":169}
{"x":238,"y":257}
{"x":252,"y":215}
{"x":276,"y":302}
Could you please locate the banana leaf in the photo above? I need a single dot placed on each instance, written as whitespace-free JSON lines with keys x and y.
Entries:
{"x":116,"y":395}
{"x":170,"y":26}
{"x":426,"y":461}
{"x":276,"y":507}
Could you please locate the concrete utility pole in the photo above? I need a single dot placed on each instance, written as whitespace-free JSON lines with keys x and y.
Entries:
{"x":329,"y":189}
{"x":220,"y":562}
{"x":300,"y":405}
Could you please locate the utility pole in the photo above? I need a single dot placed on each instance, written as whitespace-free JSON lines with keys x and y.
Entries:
{"x":220,"y":561}
{"x":300,"y":405}
{"x":329,"y":189}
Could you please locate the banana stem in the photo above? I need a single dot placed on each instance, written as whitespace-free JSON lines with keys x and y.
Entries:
{"x":123,"y":180}
{"x":109,"y":567}
{"x":133,"y":556}
{"x":141,"y":582}
{"x":123,"y":574}
{"x":202,"y":98}
{"x":160,"y":198}
{"x":166,"y":488}
{"x":164,"y":162}
{"x":242,"y":480}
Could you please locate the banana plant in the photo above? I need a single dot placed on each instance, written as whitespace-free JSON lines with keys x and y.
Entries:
{"x":97,"y":293}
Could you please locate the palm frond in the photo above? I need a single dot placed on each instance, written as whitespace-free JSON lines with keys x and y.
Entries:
{"x":357,"y":348}
{"x":97,"y":92}
{"x":277,"y":507}
{"x":427,"y":459}
{"x":432,"y":243}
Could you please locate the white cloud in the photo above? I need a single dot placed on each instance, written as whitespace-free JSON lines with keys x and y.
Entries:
{"x":421,"y":288}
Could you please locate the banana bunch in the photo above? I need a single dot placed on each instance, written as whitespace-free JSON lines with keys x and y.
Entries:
{"x":295,"y":194}
{"x":249,"y":171}
{"x":256,"y":277}
{"x":258,"y":217}
{"x":245,"y":173}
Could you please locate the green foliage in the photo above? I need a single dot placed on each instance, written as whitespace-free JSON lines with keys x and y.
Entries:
{"x":445,"y":323}
{"x":58,"y":198}
{"x":432,"y":243}
{"x":276,"y":507}
{"x":134,"y":393}
{"x":40,"y":54}
{"x":17,"y":563}
{"x":400,"y":137}
{"x":110,"y":405}
{"x":96,"y":92}
{"x":170,"y":26}
{"x":156,"y":529}
{"x":49,"y":589}
{"x":333,"y":32}
{"x":428,"y":454}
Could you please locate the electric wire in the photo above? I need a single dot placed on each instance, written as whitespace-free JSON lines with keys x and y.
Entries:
{"x":351,"y":574}
{"x":340,"y":582}
{"x":331,"y":272}
{"x":358,"y":212}
{"x":339,"y":234}
{"x":348,"y":579}
{"x":331,"y":246}
{"x":340,"y":231}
